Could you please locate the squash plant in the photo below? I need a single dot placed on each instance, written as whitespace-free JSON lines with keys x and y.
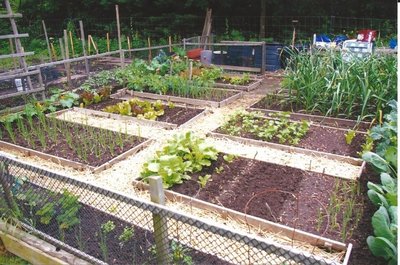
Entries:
{"x":183,"y":154}
{"x":384,"y":222}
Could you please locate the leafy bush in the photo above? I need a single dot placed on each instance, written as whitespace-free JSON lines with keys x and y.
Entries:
{"x":384,"y":195}
{"x":182,"y":155}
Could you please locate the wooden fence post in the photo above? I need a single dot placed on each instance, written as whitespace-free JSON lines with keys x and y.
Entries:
{"x":68,"y":65}
{"x":121,"y":52}
{"x":84,"y":47}
{"x":159,"y":222}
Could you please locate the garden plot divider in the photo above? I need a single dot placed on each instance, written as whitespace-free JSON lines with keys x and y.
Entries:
{"x":101,"y":226}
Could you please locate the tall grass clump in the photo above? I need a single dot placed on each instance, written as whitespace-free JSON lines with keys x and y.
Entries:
{"x":322,"y":82}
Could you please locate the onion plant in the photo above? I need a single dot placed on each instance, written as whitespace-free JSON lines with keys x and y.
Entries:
{"x":322,"y":82}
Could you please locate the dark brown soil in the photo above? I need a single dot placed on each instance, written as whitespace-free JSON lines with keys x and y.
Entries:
{"x":273,"y":192}
{"x":319,"y":139}
{"x":177,"y":115}
{"x":82,"y":135}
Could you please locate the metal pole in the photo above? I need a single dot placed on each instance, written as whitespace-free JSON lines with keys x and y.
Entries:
{"x":263,"y":57}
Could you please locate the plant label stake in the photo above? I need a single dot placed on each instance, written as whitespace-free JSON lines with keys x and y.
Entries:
{"x":190,"y":69}
{"x":108,"y":41}
{"x":159,"y":222}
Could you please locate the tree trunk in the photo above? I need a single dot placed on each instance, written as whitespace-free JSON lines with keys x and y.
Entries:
{"x":262,"y":18}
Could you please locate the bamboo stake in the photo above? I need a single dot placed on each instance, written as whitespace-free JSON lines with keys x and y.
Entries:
{"x":108,"y":42}
{"x":129,"y":46}
{"x":94,"y":44}
{"x":67,"y":57}
{"x":12,"y":51}
{"x":47,"y":40}
{"x":72,"y":44}
{"x":88,"y":42}
{"x":53,"y":51}
{"x":149,"y":43}
{"x":170,"y":43}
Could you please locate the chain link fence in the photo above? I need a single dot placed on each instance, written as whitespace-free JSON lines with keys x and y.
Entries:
{"x":103,"y":227}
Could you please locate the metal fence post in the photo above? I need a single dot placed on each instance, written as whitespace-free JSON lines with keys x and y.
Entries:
{"x":159,"y":222}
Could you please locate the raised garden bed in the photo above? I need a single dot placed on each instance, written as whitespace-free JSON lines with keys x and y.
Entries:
{"x":248,"y":86}
{"x":124,"y":242}
{"x":317,"y":138}
{"x":70,"y":144}
{"x":276,"y":103}
{"x":267,"y":108}
{"x":172,"y":117}
{"x":309,"y":201}
{"x":216,"y":98}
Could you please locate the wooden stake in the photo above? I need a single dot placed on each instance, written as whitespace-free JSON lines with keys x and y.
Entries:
{"x":190,"y":69}
{"x":67,"y":57}
{"x":53,"y":51}
{"x":129,"y":46}
{"x":170,"y":43}
{"x":149,"y":43}
{"x":88,"y":40}
{"x":84,"y":47}
{"x":47,"y":39}
{"x":108,"y":42}
{"x":72,"y":44}
{"x":121,"y":52}
{"x":12,"y":51}
{"x":160,"y":224}
{"x":94,"y":44}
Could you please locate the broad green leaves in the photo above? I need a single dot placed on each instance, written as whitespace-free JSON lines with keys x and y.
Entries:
{"x":183,"y":154}
{"x":384,"y":195}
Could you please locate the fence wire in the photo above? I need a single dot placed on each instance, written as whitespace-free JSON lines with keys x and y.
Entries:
{"x":101,"y":226}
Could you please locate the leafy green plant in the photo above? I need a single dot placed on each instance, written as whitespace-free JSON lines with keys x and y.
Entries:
{"x":279,"y":128}
{"x":69,"y":209}
{"x":180,"y":254}
{"x":105,"y":229}
{"x":183,"y":154}
{"x":349,"y":136}
{"x":141,"y":109}
{"x":384,"y":222}
{"x":46,"y":213}
{"x":203,"y":180}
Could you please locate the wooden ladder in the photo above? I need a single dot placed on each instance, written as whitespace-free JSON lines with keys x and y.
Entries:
{"x":20,"y":54}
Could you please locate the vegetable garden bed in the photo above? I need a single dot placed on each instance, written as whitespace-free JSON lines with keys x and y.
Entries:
{"x":279,"y":129}
{"x":251,"y":85}
{"x":167,"y":116}
{"x":344,"y":124}
{"x":216,"y":98}
{"x":70,"y":144}
{"x":309,"y":201}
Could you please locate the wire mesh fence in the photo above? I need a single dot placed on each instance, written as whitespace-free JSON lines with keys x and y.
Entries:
{"x":101,"y":226}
